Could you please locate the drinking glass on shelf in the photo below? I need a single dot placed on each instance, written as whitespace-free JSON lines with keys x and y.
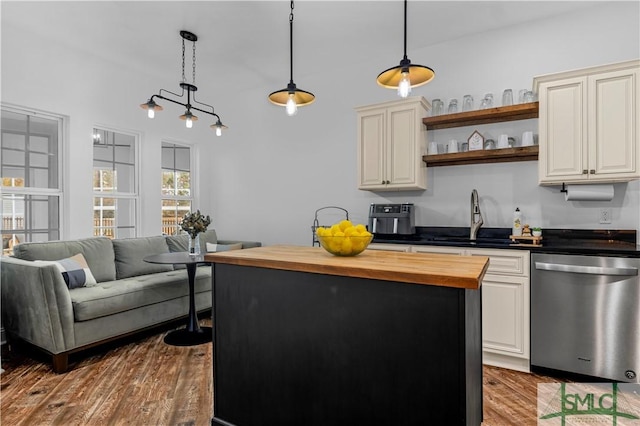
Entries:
{"x":528,"y":97}
{"x":521,"y":95}
{"x":433,"y":148}
{"x":487,"y":102}
{"x":453,"y":106}
{"x":437,"y":107}
{"x":507,"y":97}
{"x":467,"y":103}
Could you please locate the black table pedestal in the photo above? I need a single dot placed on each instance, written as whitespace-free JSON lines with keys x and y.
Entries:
{"x":193,"y":334}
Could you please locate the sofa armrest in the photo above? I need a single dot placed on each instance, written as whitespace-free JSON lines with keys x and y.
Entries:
{"x":245,"y":244}
{"x":36,"y":305}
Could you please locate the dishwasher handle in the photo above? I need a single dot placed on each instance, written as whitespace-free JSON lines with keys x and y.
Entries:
{"x":592,"y":270}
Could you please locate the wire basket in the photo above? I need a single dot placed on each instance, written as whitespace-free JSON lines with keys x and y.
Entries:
{"x":316,"y":223}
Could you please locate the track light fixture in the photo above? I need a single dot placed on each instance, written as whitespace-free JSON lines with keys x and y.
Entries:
{"x":291,"y":97}
{"x":190,"y":88}
{"x":406,"y":75}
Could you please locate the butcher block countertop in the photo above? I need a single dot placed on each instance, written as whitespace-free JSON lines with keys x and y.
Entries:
{"x":465,"y":272}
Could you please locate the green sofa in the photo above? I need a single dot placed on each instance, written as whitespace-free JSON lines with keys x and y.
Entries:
{"x":129,"y":294}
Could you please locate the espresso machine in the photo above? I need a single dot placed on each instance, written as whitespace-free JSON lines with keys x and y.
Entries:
{"x":392,"y":219}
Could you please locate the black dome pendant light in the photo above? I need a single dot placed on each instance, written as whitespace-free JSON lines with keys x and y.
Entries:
{"x":291,"y":97}
{"x":406,"y":75}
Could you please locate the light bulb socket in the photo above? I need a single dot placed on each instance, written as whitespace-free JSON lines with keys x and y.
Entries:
{"x":418,"y":75}
{"x":300,"y":97}
{"x":151,"y":105}
{"x":218,"y":125}
{"x":188,"y":116}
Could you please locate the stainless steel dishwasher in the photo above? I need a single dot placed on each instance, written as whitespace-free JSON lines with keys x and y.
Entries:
{"x":585,"y":315}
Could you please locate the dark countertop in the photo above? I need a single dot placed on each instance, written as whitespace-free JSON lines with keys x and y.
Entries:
{"x":603,"y":242}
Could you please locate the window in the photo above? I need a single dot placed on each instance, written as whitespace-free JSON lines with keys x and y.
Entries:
{"x":115,"y":198}
{"x":30,"y":163}
{"x":176,"y":186}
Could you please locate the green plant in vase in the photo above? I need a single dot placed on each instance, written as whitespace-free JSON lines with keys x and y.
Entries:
{"x":194,"y":223}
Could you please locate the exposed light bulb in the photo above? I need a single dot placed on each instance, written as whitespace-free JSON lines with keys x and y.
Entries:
{"x":189,"y":122}
{"x":404,"y":87}
{"x":151,"y":112}
{"x":218,"y":131}
{"x":292,"y":107}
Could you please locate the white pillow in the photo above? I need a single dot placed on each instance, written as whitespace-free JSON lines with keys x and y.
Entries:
{"x":212,"y":248}
{"x":75,"y":270}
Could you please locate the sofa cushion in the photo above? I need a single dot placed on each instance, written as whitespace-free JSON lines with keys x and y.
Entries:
{"x":178,"y":242}
{"x":75,"y":271}
{"x":98,"y":252}
{"x":130,"y":254}
{"x":213,"y":248}
{"x":181,"y":242}
{"x":112,"y":297}
{"x":208,"y":236}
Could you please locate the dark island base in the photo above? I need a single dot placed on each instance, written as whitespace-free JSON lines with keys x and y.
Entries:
{"x":295,"y":348}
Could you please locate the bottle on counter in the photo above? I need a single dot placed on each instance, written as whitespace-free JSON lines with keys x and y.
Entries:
{"x":516,"y":228}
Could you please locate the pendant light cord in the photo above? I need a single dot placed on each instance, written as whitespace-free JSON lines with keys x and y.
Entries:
{"x":405,"y":29}
{"x":291,"y":42}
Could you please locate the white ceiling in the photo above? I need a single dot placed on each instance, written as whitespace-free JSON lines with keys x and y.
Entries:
{"x":247,"y":42}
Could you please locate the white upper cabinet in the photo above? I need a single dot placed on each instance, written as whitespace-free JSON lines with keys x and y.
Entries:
{"x":391,"y":143}
{"x":588,"y":124}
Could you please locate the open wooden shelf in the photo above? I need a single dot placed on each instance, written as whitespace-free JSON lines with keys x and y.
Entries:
{"x":483,"y":116}
{"x":525,"y":153}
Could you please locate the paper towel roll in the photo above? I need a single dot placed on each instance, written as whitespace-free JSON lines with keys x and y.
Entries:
{"x":601,"y":192}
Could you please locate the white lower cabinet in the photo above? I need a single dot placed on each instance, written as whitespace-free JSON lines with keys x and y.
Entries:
{"x":505,"y":302}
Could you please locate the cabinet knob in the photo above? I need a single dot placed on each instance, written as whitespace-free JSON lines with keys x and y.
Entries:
{"x":593,"y":172}
{"x":383,"y":182}
{"x":388,"y":182}
{"x":584,"y":172}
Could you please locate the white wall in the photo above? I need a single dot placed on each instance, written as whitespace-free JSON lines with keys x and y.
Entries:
{"x":283,"y":169}
{"x":269,"y":173}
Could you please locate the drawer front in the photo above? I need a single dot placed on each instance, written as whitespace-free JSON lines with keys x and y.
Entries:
{"x":389,"y":247}
{"x":436,"y":249}
{"x":509,"y":262}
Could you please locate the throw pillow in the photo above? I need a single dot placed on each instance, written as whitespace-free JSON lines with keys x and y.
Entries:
{"x":212,"y":248}
{"x":74,"y":270}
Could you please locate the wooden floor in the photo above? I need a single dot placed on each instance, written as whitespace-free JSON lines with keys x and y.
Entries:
{"x":146,"y":382}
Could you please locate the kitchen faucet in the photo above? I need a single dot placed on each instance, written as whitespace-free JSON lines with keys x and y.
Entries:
{"x":476,"y":216}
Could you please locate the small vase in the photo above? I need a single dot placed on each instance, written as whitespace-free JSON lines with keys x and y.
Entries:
{"x":194,"y":246}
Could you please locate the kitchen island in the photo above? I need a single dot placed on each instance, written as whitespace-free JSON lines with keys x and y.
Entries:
{"x":302,"y":337}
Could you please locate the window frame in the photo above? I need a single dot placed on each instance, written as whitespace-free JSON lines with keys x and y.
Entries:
{"x":32,"y":191}
{"x":192,"y":178}
{"x":133,"y":196}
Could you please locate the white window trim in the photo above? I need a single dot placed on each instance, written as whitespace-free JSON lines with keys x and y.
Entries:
{"x":63,"y":177}
{"x":137,"y":173}
{"x":193,"y":155}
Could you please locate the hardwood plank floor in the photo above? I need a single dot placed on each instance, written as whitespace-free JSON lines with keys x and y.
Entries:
{"x":146,"y":382}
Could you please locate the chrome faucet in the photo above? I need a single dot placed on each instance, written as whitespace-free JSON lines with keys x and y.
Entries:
{"x":476,"y":216}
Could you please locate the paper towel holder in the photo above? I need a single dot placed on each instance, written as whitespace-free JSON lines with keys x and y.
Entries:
{"x":564,"y":188}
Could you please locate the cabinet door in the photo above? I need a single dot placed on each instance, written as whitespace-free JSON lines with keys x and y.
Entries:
{"x":613,"y":133}
{"x":505,"y":313}
{"x":371,"y":149}
{"x":403,"y":150}
{"x":563,"y":155}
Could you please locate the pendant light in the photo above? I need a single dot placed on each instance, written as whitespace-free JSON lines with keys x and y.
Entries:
{"x":291,"y":97}
{"x":406,"y":75}
{"x":190,"y":88}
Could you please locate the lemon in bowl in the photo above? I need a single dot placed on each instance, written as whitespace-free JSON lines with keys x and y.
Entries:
{"x":344,"y":239}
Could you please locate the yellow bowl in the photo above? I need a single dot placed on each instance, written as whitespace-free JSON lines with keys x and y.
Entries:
{"x":345,"y":246}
